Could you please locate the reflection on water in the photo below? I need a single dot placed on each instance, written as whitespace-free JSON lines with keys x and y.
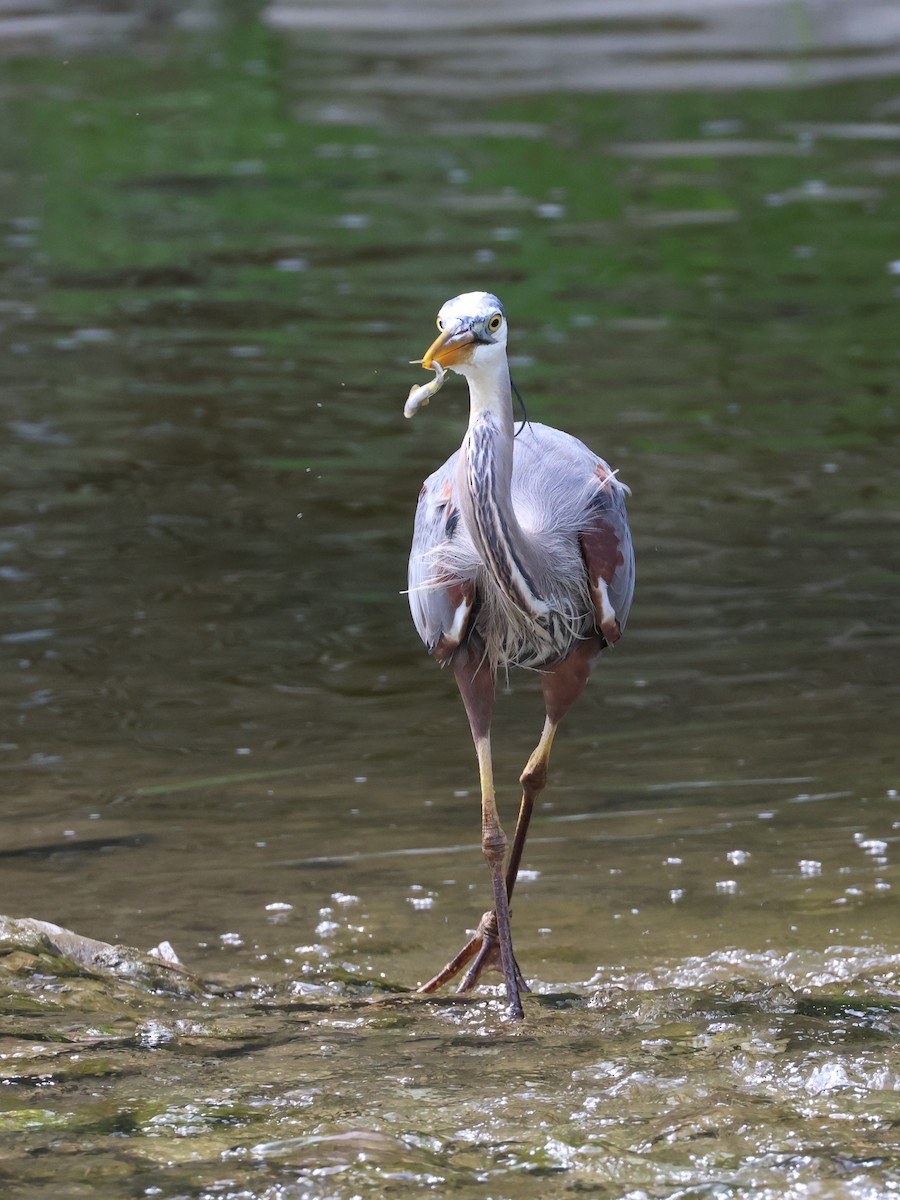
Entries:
{"x":426,"y":49}
{"x":219,"y":257}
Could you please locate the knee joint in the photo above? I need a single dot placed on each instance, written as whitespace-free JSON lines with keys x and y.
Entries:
{"x":534,"y":779}
{"x":493,"y":844}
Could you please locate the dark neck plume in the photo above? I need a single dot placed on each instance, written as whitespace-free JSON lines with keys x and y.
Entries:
{"x":485,"y":479}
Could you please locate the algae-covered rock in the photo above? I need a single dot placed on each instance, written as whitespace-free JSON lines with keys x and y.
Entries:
{"x":27,"y":944}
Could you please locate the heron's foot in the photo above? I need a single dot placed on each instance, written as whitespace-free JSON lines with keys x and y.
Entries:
{"x":480,"y":953}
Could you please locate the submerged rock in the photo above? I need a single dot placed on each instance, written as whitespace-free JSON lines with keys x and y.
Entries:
{"x":27,"y":943}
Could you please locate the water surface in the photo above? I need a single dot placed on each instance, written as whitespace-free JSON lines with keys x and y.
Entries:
{"x":223,"y":248}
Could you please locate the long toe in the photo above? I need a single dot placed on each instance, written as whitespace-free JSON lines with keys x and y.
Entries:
{"x":487,"y":959}
{"x":453,"y":967}
{"x":481,"y":954}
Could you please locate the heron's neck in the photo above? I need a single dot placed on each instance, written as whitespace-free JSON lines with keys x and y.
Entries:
{"x":485,"y":488}
{"x":490,"y":395}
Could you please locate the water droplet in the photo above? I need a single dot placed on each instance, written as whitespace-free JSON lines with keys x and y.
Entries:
{"x":873,"y":846}
{"x":291,"y":264}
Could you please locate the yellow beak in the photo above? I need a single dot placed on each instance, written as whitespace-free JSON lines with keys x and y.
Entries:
{"x":449,"y":348}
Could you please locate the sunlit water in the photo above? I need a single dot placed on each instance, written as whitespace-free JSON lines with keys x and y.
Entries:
{"x":223,"y":247}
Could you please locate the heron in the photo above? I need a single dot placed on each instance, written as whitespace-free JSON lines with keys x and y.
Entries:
{"x":521,"y":557}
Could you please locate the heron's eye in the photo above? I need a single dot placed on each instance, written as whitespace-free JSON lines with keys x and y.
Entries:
{"x":440,"y":324}
{"x":495,"y":322}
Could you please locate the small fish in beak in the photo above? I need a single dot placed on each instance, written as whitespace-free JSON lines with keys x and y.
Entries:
{"x":419,"y":396}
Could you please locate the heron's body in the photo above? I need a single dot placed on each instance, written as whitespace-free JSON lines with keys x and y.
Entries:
{"x":521,"y":556}
{"x":564,"y":497}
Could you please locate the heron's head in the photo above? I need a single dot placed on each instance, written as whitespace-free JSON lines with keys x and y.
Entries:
{"x":472,"y":333}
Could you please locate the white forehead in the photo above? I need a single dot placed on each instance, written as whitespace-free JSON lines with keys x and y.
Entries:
{"x":469,"y":306}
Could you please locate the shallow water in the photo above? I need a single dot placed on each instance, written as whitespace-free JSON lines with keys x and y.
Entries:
{"x":227,"y":238}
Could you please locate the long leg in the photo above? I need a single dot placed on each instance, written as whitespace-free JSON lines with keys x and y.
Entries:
{"x":562,"y":685}
{"x":494,"y":845}
{"x":533,"y":780}
{"x":476,"y":686}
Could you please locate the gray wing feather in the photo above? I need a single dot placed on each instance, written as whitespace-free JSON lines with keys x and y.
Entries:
{"x":433,"y":610}
{"x":562,"y":489}
{"x":609,"y":512}
{"x":572,"y":508}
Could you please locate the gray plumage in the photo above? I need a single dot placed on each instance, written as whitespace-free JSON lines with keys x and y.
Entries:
{"x":521,"y":556}
{"x":557,"y":496}
{"x":520,"y":543}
